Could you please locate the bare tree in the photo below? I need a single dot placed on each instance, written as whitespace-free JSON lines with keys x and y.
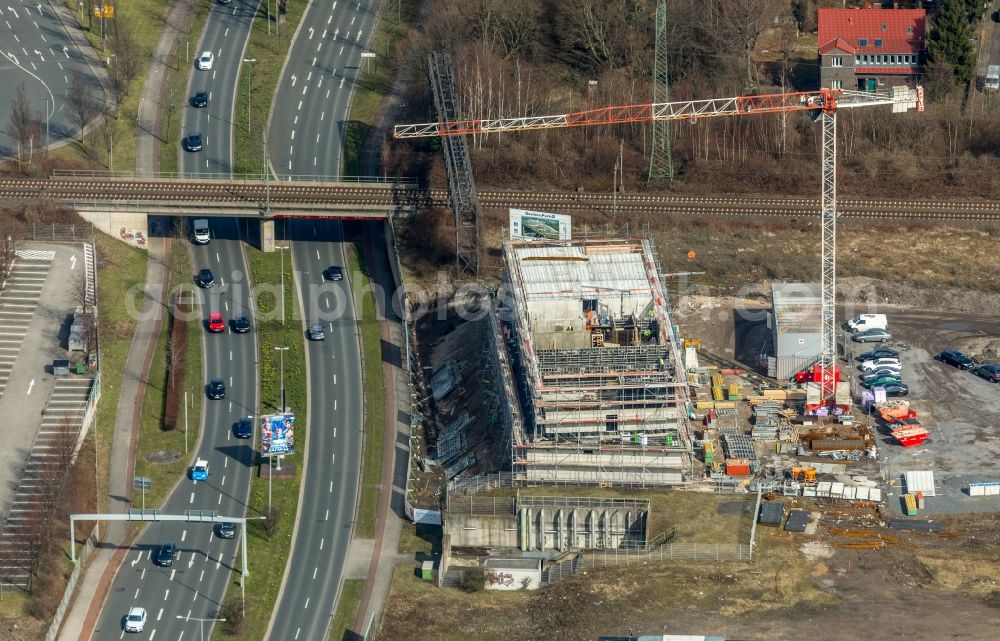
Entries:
{"x":126,"y":59}
{"x":22,"y":125}
{"x":84,"y":106}
{"x":507,"y":27}
{"x":745,"y":21}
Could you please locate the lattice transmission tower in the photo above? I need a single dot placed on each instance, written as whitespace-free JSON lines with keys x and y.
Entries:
{"x":661,"y":161}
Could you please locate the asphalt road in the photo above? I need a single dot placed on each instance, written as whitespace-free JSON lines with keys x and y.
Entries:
{"x":36,"y":52}
{"x":307,"y":127}
{"x":195,"y":585}
{"x":225,"y":35}
{"x":333,"y":457}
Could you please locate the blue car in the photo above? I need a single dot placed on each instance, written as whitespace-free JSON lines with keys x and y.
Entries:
{"x":199,"y":471}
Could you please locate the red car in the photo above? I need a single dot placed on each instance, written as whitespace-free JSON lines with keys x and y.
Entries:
{"x":215,"y":323}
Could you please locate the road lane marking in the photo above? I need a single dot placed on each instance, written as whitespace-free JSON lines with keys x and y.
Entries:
{"x":136,"y":594}
{"x":220,"y":499}
{"x":166,"y":594}
{"x":300,"y":105}
{"x":291,"y":150}
{"x":358,"y":39}
{"x":191,"y":562}
{"x":323,"y":113}
{"x":326,"y":517}
{"x":306,"y":606}
{"x":201,"y":576}
{"x":335,"y":409}
{"x":334,"y":379}
{"x":184,"y":535}
{"x":317,"y":137}
{"x":309,"y":77}
{"x":225,"y":462}
{"x":159,"y":614}
{"x":304,"y":89}
{"x":331,"y":486}
{"x":341,"y":52}
{"x":230,"y":354}
{"x":294,"y":79}
{"x":151,"y":635}
{"x":137,"y":559}
{"x":226,"y":33}
{"x":223,"y":480}
{"x":172,"y":573}
{"x":341,"y":83}
{"x":195,"y":596}
{"x":293,"y":131}
{"x":315,"y":59}
{"x":142,"y":575}
{"x":353,"y":18}
{"x":315,"y":570}
{"x":217,"y":259}
{"x":192,"y":496}
{"x":328,"y":20}
{"x":30,"y":385}
{"x":324,"y":34}
{"x":311,"y":32}
{"x":297,"y":630}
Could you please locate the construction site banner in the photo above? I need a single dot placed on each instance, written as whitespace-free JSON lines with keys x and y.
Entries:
{"x":277,"y":435}
{"x":529,"y":225}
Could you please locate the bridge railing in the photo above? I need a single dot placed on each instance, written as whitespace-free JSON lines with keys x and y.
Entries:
{"x":170,"y":175}
{"x":48,"y":232}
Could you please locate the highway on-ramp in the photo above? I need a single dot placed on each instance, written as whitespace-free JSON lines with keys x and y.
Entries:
{"x":333,"y":458}
{"x":314,"y":95}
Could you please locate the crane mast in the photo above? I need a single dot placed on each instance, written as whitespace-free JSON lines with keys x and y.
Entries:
{"x":824,"y":103}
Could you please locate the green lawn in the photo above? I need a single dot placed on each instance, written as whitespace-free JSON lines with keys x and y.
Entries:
{"x":152,"y":438}
{"x":376,"y":79}
{"x":268,"y":557}
{"x":371,"y":350}
{"x":347,"y":608}
{"x":269,"y":51}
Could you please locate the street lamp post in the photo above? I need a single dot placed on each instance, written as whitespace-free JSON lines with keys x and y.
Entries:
{"x":249,"y":60}
{"x":201,"y":622}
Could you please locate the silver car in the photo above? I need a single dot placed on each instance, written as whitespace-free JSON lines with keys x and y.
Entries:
{"x":316,"y":333}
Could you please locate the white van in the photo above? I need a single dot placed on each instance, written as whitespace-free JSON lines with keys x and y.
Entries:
{"x":867,"y":321}
{"x":201,"y":233}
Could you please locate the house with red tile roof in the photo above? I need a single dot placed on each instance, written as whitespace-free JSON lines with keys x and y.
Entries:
{"x":870,"y":49}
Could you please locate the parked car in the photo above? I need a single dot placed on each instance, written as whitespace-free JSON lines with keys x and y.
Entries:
{"x":956,"y":358}
{"x":193,"y":142}
{"x":243,"y":428}
{"x":216,"y":389}
{"x":862,"y":322}
{"x":205,"y":278}
{"x":881,"y":352}
{"x":881,"y":381}
{"x":896,"y":389}
{"x":135,"y":620}
{"x":316,"y":333}
{"x":873,"y":335}
{"x":200,"y":99}
{"x":333,"y":273}
{"x":215,"y":323}
{"x":205,"y":60}
{"x":882,"y":371}
{"x":225,"y":530}
{"x":875,"y":363}
{"x":165,"y":554}
{"x":199,"y":471}
{"x":241,"y":324}
{"x":989,"y":371}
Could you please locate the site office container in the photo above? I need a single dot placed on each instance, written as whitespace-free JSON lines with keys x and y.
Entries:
{"x":738,"y":467}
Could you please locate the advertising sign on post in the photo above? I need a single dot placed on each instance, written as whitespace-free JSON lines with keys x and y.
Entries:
{"x":527,"y":225}
{"x":277,"y":435}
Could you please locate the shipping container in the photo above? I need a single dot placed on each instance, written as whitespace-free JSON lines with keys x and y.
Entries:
{"x":737,"y":467}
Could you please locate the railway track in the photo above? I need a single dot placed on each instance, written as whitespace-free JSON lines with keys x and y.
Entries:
{"x":387,"y":196}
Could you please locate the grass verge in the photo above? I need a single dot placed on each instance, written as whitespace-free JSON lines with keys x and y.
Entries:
{"x":374,"y":387}
{"x":269,"y":51}
{"x":152,"y":438}
{"x":376,"y":80}
{"x":347,"y":608}
{"x":270,"y":554}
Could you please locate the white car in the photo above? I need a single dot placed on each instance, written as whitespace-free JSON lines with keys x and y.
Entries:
{"x":135,"y":620}
{"x":878,"y":363}
{"x":205,"y":60}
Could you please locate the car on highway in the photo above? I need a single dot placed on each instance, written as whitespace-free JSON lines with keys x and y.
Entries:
{"x":989,"y":371}
{"x":225,"y":530}
{"x":334,"y":273}
{"x":893,"y":390}
{"x":241,"y":324}
{"x":193,"y":142}
{"x":316,"y":333}
{"x":199,"y":99}
{"x":205,"y":278}
{"x":199,"y":471}
{"x":881,"y":352}
{"x":205,"y":60}
{"x":243,"y":428}
{"x":956,"y":358}
{"x":881,"y":381}
{"x":215,"y":323}
{"x":165,"y":554}
{"x":216,"y":389}
{"x":135,"y":620}
{"x":873,"y":335}
{"x":875,"y":363}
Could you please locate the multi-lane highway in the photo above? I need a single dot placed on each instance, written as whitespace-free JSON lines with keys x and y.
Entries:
{"x":225,"y":35}
{"x":313,"y":98}
{"x":36,"y":52}
{"x":333,"y":460}
{"x":194,"y":586}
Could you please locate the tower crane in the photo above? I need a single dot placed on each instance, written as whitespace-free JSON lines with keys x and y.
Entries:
{"x":822,"y":104}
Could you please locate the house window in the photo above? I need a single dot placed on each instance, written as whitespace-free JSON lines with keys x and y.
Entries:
{"x":878,"y":42}
{"x":837,"y":84}
{"x":863,"y":42}
{"x":894,"y":60}
{"x":837,"y":61}
{"x":881,"y":82}
{"x":885,"y":27}
{"x":909,"y":30}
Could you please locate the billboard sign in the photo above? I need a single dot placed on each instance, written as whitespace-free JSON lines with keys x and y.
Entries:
{"x":277,"y":435}
{"x":529,"y":225}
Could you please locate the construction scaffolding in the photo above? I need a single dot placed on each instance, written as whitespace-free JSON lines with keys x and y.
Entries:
{"x":598,"y":362}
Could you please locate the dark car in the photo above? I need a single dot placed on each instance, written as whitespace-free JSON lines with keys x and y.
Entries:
{"x":225,"y":530}
{"x":165,"y":555}
{"x":243,"y":428}
{"x":241,"y":324}
{"x":333,"y":273}
{"x":205,"y":278}
{"x":956,"y":358}
{"x":193,"y":142}
{"x":880,"y":372}
{"x":881,"y":352}
{"x":989,"y":371}
{"x":216,"y":389}
{"x":200,"y":99}
{"x":873,"y":335}
{"x":316,"y":333}
{"x":882,"y":381}
{"x":896,"y":389}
